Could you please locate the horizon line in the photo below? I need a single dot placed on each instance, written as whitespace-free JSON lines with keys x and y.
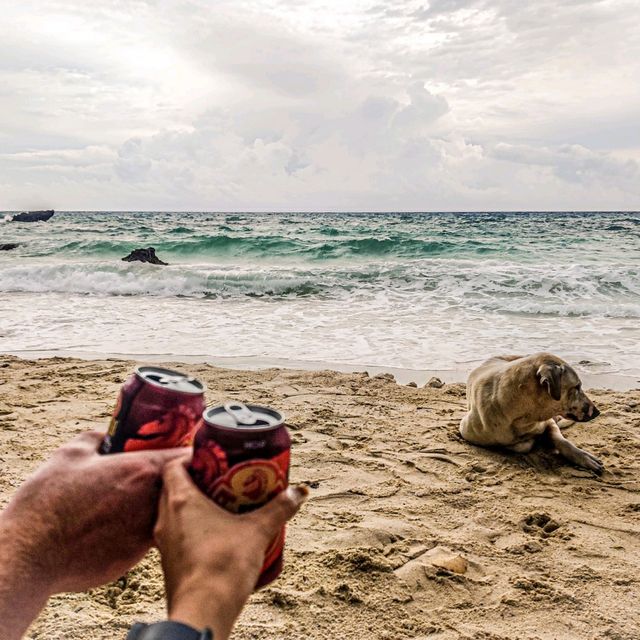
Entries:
{"x":324,"y":211}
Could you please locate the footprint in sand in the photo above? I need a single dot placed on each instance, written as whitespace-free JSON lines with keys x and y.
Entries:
{"x":632,"y":508}
{"x":541,"y":524}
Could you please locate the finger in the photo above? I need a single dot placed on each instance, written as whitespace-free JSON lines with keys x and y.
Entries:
{"x":274,"y":515}
{"x":162,"y":457}
{"x":89,"y":440}
{"x":163,"y":514}
{"x":173,"y":487}
{"x":176,"y":478}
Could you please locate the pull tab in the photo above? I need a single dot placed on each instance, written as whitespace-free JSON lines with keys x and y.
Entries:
{"x":167,"y":380}
{"x":240,"y":413}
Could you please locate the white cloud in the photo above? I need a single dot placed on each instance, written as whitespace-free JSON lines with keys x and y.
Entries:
{"x":454,"y":104}
{"x":574,"y":163}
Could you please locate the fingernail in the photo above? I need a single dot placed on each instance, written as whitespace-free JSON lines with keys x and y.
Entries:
{"x":298,"y":494}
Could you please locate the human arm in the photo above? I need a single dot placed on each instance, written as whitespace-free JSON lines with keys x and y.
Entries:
{"x":79,"y":521}
{"x":24,"y":589}
{"x":212,"y":558}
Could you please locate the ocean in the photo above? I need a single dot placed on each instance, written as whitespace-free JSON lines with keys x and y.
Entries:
{"x":413,"y":293}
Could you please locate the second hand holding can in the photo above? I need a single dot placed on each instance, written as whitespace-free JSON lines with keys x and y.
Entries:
{"x":240,"y":460}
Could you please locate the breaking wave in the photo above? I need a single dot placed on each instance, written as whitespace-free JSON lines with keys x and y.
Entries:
{"x":565,"y":290}
{"x":227,"y":246}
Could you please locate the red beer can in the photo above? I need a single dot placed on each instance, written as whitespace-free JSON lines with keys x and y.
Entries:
{"x":156,"y":409}
{"x":241,"y":461}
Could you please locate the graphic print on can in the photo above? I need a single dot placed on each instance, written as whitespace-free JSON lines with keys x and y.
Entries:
{"x":250,"y":484}
{"x":241,"y":461}
{"x":208,"y":463}
{"x":156,"y":409}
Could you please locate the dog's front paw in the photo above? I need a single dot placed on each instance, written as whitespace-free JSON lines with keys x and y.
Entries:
{"x":582,"y":458}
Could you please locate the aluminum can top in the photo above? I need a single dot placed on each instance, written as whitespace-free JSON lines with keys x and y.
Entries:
{"x":170,"y":380}
{"x":244,"y":417}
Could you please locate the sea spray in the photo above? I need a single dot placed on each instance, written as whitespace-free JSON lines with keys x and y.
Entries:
{"x":585,"y":290}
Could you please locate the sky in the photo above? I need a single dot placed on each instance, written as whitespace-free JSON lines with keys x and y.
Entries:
{"x":320,"y":105}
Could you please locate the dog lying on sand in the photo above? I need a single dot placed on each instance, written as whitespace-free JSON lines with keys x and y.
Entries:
{"x":514,"y":399}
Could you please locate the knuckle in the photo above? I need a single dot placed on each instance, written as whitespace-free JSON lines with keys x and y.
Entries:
{"x":235,"y":556}
{"x":89,"y":437}
{"x":141,"y":470}
{"x":158,"y":530}
{"x":148,"y":469}
{"x":177,"y":500}
{"x":72,"y":451}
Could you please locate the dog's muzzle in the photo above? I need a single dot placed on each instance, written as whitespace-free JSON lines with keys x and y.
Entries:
{"x":595,"y":412}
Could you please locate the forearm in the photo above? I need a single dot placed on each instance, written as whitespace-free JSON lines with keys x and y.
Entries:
{"x":210,"y":601}
{"x":23,"y":587}
{"x":203,"y":608}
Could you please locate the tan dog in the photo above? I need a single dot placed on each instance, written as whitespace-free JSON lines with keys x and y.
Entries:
{"x":514,"y":399}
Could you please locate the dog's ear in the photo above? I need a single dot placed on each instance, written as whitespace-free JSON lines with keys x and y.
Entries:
{"x":550,"y":376}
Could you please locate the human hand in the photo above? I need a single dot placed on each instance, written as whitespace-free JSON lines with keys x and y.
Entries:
{"x":212,"y":558}
{"x":83,"y":518}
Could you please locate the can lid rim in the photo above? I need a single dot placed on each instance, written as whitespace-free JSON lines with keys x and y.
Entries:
{"x":140,"y":371}
{"x":244,"y":428}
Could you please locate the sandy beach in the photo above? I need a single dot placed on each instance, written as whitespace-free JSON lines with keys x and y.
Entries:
{"x":409,"y":533}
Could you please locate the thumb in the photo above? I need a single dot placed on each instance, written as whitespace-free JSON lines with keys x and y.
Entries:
{"x":86,"y":443}
{"x":89,"y":440}
{"x":176,"y":479}
{"x":275,"y":514}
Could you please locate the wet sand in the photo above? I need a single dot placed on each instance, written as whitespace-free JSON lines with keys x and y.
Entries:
{"x":409,"y":533}
{"x":593,"y":374}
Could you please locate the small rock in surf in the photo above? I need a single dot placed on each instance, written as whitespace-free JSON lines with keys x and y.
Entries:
{"x":33,"y":216}
{"x":144,"y":255}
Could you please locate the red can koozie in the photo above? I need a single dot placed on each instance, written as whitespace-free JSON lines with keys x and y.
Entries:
{"x":241,"y":461}
{"x":156,"y":409}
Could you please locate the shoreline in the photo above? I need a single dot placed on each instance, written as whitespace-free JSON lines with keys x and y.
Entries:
{"x":403,"y":376}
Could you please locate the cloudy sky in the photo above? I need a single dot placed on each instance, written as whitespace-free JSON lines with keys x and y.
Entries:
{"x":320,"y":104}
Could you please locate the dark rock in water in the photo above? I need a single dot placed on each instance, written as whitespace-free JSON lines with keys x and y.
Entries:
{"x":33,"y":216}
{"x":144,"y":255}
{"x":8,"y":247}
{"x":434,"y":383}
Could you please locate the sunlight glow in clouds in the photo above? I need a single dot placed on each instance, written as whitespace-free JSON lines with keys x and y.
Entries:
{"x":320,"y":105}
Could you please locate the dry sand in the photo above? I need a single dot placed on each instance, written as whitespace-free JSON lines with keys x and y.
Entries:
{"x":409,"y":533}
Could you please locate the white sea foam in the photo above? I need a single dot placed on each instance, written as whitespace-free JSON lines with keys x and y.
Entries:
{"x":564,"y":290}
{"x":143,"y":280}
{"x":386,"y":331}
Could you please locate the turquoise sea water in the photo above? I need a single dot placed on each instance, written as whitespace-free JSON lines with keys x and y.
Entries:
{"x":417,"y":291}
